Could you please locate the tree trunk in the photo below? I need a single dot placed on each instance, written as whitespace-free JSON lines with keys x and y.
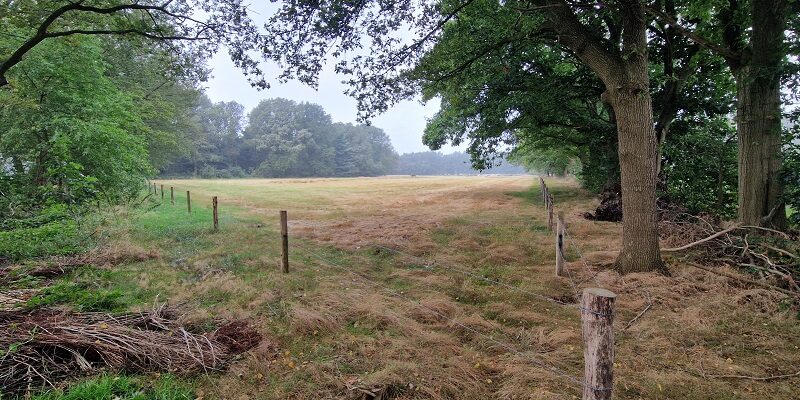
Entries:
{"x":638,"y":156}
{"x":626,"y":78}
{"x":758,"y":119}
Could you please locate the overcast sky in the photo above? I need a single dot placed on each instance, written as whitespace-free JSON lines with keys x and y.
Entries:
{"x":404,"y":123}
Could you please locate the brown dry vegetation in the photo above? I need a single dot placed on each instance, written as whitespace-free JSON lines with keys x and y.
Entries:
{"x":353,"y":320}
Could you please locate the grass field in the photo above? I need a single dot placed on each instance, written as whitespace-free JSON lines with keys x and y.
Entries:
{"x":353,"y":317}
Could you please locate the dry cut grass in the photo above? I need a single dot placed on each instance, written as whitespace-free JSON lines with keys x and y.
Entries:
{"x":355,"y":320}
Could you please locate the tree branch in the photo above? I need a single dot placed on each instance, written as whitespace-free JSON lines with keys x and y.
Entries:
{"x":42,"y":32}
{"x":580,"y":41}
{"x":723,"y":51}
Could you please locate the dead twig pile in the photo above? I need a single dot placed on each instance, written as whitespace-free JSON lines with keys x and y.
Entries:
{"x":43,"y":347}
{"x":766,"y":253}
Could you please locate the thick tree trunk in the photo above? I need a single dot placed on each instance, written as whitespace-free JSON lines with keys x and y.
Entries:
{"x":626,"y":77}
{"x":758,"y":124}
{"x":638,"y":156}
{"x":758,"y":119}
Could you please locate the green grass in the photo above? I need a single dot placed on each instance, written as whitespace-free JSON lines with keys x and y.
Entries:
{"x":110,"y":387}
{"x":92,"y":289}
{"x":53,"y":238}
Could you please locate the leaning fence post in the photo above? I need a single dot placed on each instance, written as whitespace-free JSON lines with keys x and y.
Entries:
{"x":284,"y":242}
{"x":189,"y":201}
{"x":550,"y":211}
{"x":172,"y":195}
{"x":162,"y":192}
{"x":597,"y":318}
{"x":560,"y":244}
{"x":215,"y":215}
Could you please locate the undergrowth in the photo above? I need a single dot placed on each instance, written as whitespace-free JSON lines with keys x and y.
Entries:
{"x":50,"y":233}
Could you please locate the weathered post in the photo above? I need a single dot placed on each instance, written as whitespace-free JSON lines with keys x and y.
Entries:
{"x":162,"y":192}
{"x":550,"y":211}
{"x":560,"y":244}
{"x":189,"y":201}
{"x":215,"y":214}
{"x":155,"y":189}
{"x":172,"y":195}
{"x":597,"y":318}
{"x":284,"y":242}
{"x":544,"y":190}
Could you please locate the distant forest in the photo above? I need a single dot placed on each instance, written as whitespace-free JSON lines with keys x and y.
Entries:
{"x":458,"y":163}
{"x":282,"y":138}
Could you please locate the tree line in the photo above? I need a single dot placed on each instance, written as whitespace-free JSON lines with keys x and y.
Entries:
{"x":279,"y":138}
{"x":456,"y":163}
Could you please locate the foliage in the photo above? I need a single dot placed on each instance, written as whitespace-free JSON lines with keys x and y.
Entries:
{"x":66,"y":130}
{"x":791,"y":174}
{"x":181,"y":27}
{"x":700,"y":167}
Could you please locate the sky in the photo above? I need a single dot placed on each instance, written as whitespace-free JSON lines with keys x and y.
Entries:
{"x":404,"y":123}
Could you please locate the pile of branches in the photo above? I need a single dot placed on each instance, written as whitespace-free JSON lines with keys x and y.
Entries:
{"x":45,"y":346}
{"x":771,"y":255}
{"x":610,"y":208}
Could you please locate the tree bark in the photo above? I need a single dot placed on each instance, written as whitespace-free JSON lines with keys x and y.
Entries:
{"x":758,"y":119}
{"x":638,"y":155}
{"x":629,"y":90}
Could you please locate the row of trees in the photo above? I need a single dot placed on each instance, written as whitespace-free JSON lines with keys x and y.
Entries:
{"x":281,"y":138}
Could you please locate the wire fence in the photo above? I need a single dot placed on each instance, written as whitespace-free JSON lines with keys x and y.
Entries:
{"x":433,"y":265}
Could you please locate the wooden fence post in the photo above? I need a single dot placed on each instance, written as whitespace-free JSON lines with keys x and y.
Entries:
{"x":560,"y":244}
{"x":172,"y":195}
{"x":162,"y":192}
{"x":544,"y":190}
{"x":189,"y":201}
{"x":155,"y":189}
{"x":215,"y":214}
{"x":597,"y":318}
{"x":550,"y":211}
{"x":284,"y":242}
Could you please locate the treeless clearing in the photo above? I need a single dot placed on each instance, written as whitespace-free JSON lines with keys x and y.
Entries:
{"x":352,"y":318}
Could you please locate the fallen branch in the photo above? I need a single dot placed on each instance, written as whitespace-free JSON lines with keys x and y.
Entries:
{"x":701,"y":241}
{"x":743,"y":279}
{"x":755,"y":378}
{"x":639,"y":315}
